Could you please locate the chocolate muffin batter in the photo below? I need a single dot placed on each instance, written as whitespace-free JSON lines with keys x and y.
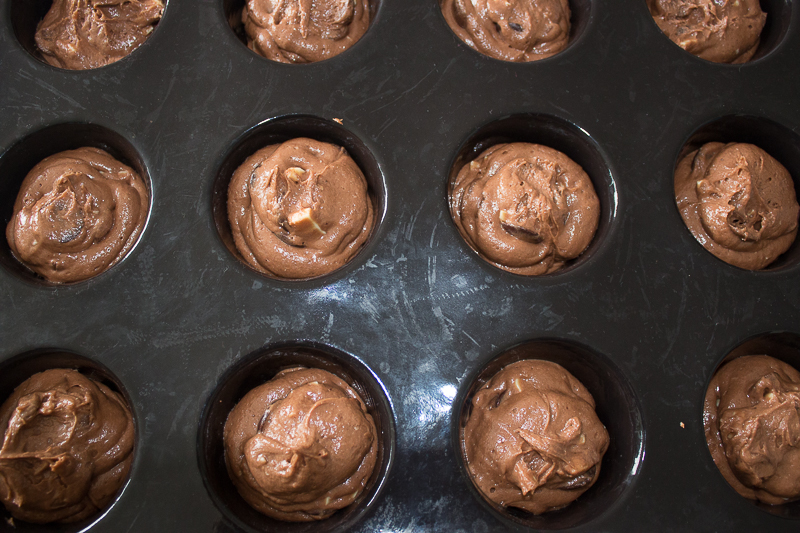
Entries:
{"x":67,"y":447}
{"x":78,"y":213}
{"x":752,"y":423}
{"x":302,"y":31}
{"x":525,"y":207}
{"x":723,"y":31}
{"x":84,"y":34}
{"x":300,"y":446}
{"x":299,"y":209}
{"x":738,"y":202}
{"x":533,"y":439}
{"x":511,"y":30}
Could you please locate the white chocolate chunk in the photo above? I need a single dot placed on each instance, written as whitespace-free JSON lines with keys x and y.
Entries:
{"x":294,"y":174}
{"x":302,"y":220}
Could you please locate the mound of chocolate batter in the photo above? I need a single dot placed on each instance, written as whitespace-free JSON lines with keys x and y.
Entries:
{"x":84,"y":34}
{"x":533,"y":439}
{"x":723,"y":31}
{"x":300,"y":446}
{"x":525,"y":207}
{"x":299,"y":209}
{"x":752,"y":423}
{"x":738,"y":202}
{"x":77,"y":213}
{"x":511,"y":30}
{"x":67,"y":447}
{"x":301,"y":31}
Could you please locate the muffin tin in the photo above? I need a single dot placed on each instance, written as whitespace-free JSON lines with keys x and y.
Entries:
{"x":643,"y":318}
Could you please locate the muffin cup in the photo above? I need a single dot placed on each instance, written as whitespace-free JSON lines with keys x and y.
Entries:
{"x":616,"y":406}
{"x":17,"y":369}
{"x":258,"y":368}
{"x":784,"y":346}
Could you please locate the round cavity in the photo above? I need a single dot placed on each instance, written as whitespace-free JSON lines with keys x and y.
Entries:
{"x":258,"y":368}
{"x":779,"y":17}
{"x":232,"y":11}
{"x":580,"y":18}
{"x":784,"y":346}
{"x":617,"y":407}
{"x":778,"y":141}
{"x":18,"y":160}
{"x":282,"y":129}
{"x":25,"y":17}
{"x":560,"y":135}
{"x":17,"y":369}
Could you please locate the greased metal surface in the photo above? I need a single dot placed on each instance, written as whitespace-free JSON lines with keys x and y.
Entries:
{"x":643,"y":318}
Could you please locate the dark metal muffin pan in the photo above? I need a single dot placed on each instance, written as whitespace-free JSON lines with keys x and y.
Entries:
{"x":643,"y":318}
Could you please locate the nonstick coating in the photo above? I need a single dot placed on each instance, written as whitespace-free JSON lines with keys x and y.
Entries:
{"x":644,"y":317}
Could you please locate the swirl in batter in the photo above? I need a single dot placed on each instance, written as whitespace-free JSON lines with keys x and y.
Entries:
{"x":722,"y":31}
{"x":300,"y":446}
{"x":78,"y":213}
{"x":524,"y":207}
{"x":85,"y":34}
{"x":752,"y":424}
{"x":738,"y":202}
{"x":304,"y":31}
{"x":300,"y":209}
{"x":533,"y":440}
{"x":511,"y":30}
{"x":67,"y":447}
